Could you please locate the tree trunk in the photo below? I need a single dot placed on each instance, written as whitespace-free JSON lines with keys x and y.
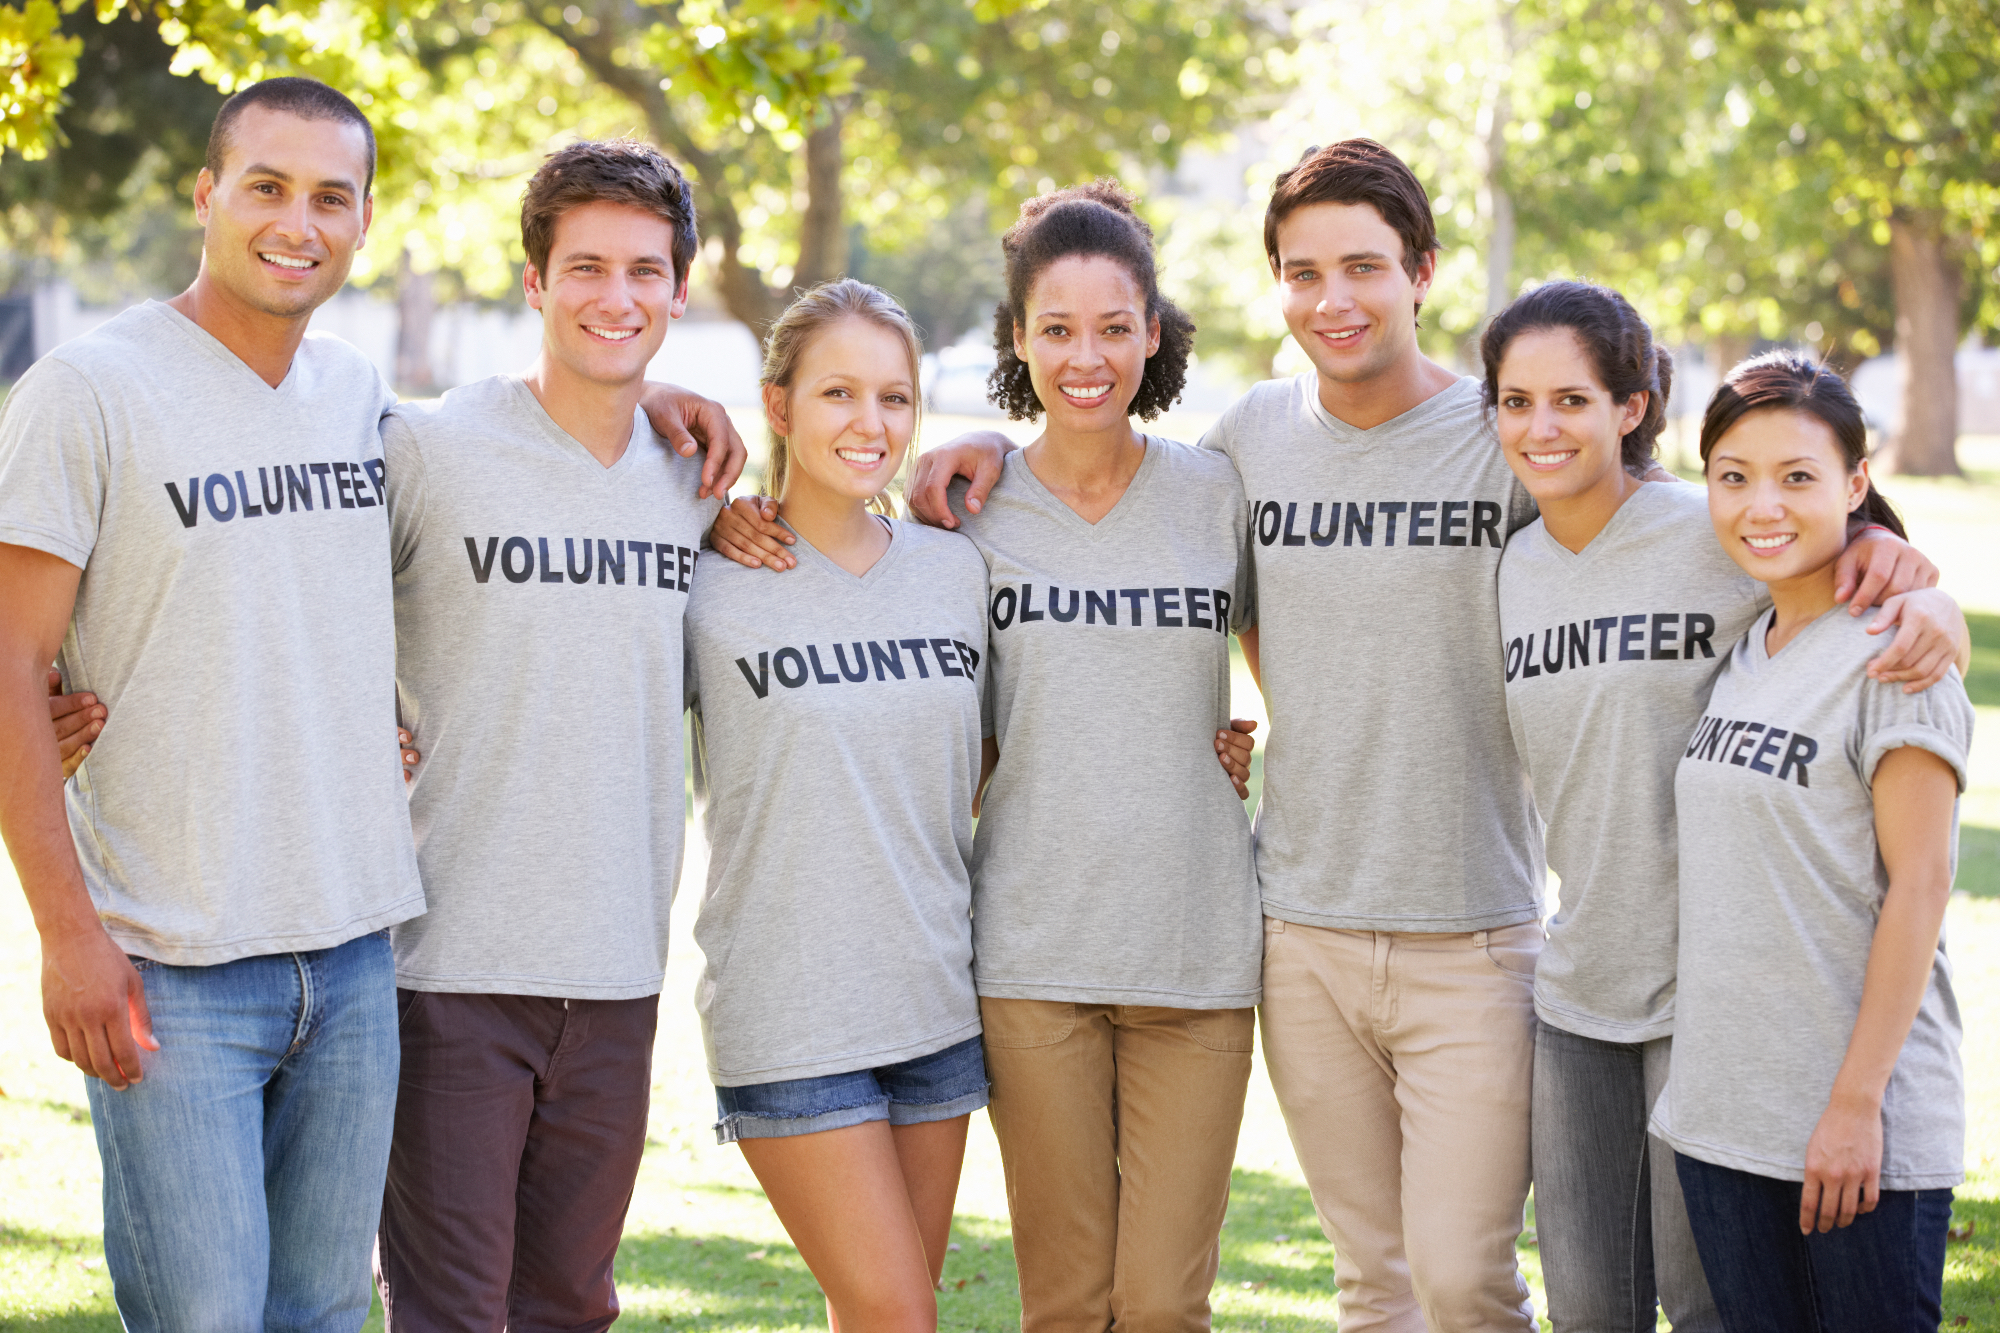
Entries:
{"x":416,"y":302}
{"x":1499,"y":205}
{"x":1925,"y":437}
{"x":822,"y":237}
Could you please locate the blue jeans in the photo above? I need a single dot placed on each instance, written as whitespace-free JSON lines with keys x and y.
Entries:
{"x":940,"y":1086}
{"x":1614,"y":1232}
{"x":243,"y":1174}
{"x":1884,"y":1273}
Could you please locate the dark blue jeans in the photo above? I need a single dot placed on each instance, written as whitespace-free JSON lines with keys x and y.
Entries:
{"x":1882,"y":1274}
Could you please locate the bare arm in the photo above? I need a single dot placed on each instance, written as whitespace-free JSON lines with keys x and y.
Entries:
{"x":681,"y":418}
{"x":1247,"y":639}
{"x":989,"y":759}
{"x":978,"y":455}
{"x":1914,"y":790}
{"x":1931,"y":637}
{"x":92,"y":996}
{"x":1878,"y":564}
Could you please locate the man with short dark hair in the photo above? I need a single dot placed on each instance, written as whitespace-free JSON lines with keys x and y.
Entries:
{"x":534,"y":517}
{"x":193,"y":513}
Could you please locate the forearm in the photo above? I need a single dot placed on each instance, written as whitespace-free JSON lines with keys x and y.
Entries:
{"x":1899,"y":970}
{"x":32,"y":816}
{"x":1247,"y":640}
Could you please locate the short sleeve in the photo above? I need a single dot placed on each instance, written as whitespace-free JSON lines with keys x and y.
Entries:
{"x":1938,"y":720}
{"x":404,"y":460}
{"x":1521,"y":507}
{"x":55,"y":463}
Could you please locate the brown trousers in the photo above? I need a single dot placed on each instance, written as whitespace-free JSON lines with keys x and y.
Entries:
{"x":1117,"y":1127}
{"x":520,"y":1121}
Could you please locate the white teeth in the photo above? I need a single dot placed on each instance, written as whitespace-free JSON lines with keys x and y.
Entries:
{"x":859,"y":455}
{"x":1543,"y":460}
{"x":287,"y":261}
{"x":1344,"y":335}
{"x":615,"y":335}
{"x":1092,"y":392}
{"x":1768,"y":543}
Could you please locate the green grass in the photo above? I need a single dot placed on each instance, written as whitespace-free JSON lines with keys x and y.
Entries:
{"x":1983,"y":681}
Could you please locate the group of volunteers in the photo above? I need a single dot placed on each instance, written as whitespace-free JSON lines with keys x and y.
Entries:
{"x":970,"y":786}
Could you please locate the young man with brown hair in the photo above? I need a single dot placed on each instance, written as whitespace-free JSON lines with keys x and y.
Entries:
{"x":532,"y":518}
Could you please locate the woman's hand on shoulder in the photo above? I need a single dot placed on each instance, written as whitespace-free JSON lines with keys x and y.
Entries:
{"x":1878,"y":564}
{"x":747,"y":531}
{"x":1233,"y":747}
{"x":1931,"y":636}
{"x":979,"y":455}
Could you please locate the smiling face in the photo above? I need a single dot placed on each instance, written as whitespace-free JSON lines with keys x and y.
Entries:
{"x":608,"y":293}
{"x":1560,"y":427}
{"x":1779,"y":494}
{"x":283,"y":220}
{"x":849,"y":413}
{"x":1086,"y":342}
{"x":1347,"y":299}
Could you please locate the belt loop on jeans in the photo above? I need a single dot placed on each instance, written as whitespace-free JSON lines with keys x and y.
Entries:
{"x":1479,"y":939}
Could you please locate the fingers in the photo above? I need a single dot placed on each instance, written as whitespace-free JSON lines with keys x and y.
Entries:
{"x":1809,"y":1199}
{"x":726,"y":451}
{"x":1850,"y":1202}
{"x":101,"y":1062}
{"x":1920,"y":653}
{"x":984,"y":478}
{"x":411,"y":756}
{"x":926,"y":493}
{"x":140,"y":1016}
{"x":1865,"y":570}
{"x":748,"y":532}
{"x":1871,"y":1193}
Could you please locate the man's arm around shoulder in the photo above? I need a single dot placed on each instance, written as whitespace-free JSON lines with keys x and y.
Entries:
{"x":92,"y":996}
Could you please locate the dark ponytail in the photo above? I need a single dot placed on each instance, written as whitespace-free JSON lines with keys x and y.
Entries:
{"x":1791,"y":382}
{"x":1620,"y":346}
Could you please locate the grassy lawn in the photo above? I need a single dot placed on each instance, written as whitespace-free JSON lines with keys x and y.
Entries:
{"x":702,"y":1250}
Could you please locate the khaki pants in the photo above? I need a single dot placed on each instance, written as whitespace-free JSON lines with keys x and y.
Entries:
{"x":1403,"y":1064}
{"x":1117,"y":1127}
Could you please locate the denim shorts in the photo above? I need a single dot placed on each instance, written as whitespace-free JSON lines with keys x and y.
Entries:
{"x":938,"y":1086}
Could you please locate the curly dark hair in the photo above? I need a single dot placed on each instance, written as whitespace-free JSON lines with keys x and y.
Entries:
{"x":1089,"y":220}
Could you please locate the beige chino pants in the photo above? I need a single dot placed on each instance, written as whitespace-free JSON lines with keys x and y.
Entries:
{"x":1402,"y":1063}
{"x":1117,"y":1127}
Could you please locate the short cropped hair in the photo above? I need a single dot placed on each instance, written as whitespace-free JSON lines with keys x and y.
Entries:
{"x":619,"y":171}
{"x":308,"y":99}
{"x":1356,"y":171}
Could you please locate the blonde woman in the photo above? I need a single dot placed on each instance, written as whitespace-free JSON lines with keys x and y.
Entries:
{"x":837,"y":743}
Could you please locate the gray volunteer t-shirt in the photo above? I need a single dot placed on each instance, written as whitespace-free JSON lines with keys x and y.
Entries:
{"x":539,"y":593}
{"x":1781,"y":886}
{"x":836,"y":747}
{"x":1393,"y":798}
{"x":1611,"y":651}
{"x":1112,"y":863}
{"x":246,"y":796}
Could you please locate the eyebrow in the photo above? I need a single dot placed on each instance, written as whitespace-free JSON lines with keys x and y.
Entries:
{"x":1064,"y":314}
{"x":1567,"y":388}
{"x":1354,"y":258}
{"x":657,"y":261}
{"x":330,"y":183}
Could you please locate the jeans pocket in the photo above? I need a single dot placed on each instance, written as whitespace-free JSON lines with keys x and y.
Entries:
{"x":1514,"y":949}
{"x":1020,"y":1024}
{"x":406,"y":1000}
{"x":1232,"y":1031}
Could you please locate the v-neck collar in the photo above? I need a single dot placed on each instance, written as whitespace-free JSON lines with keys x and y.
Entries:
{"x":1608,"y":536}
{"x":1761,"y":657}
{"x":1444,"y":400}
{"x":568,"y":443}
{"x":1048,"y":499}
{"x":215,"y":348}
{"x":828,"y":565}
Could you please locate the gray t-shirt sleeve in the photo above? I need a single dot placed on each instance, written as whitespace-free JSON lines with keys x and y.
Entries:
{"x":1936,"y":720}
{"x":52,"y":463}
{"x":403,"y":458}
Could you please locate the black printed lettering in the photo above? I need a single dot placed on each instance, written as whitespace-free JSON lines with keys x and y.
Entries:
{"x":946,"y":656}
{"x":507,"y":559}
{"x":886,"y":657}
{"x":1528,"y":668}
{"x":1579,"y":643}
{"x":611,"y":561}
{"x":1552,"y":638}
{"x":208,"y":487}
{"x":1000,"y":621}
{"x":1801,"y":751}
{"x":1514,"y":655}
{"x":1740,"y":748}
{"x":1107,"y":605}
{"x":1391,"y":508}
{"x":860,"y":671}
{"x":482,"y":571}
{"x":1056,"y":611}
{"x":191,"y":511}
{"x":1604,"y":625}
{"x":685,"y":559}
{"x":243,"y":492}
{"x":374,"y":467}
{"x":1268,"y":532}
{"x":298,"y":486}
{"x":916,"y":647}
{"x":640,"y":551}
{"x":1357,"y":523}
{"x":343,"y":485}
{"x":967,"y":655}
{"x":1699,"y":629}
{"x":1768,"y":748}
{"x":321,"y":470}
{"x":1631,"y":636}
{"x":1419,"y":520}
{"x":1666,"y":628}
{"x":786,"y":678}
{"x":761,"y":682}
{"x":1221,"y":611}
{"x":549,"y":573}
{"x":1332,"y":527}
{"x":820,"y":673}
{"x":1452,"y":517}
{"x":1710,"y":746}
{"x":1028,"y":611}
{"x":569,"y":560}
{"x":1167,"y":600}
{"x":1291,"y":518}
{"x":1197,"y":602}
{"x":271,"y":506}
{"x":1486,"y":519}
{"x":1136,"y":597}
{"x":1708,"y":724}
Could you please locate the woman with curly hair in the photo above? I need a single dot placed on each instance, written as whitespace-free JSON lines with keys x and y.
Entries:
{"x":1116,"y":926}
